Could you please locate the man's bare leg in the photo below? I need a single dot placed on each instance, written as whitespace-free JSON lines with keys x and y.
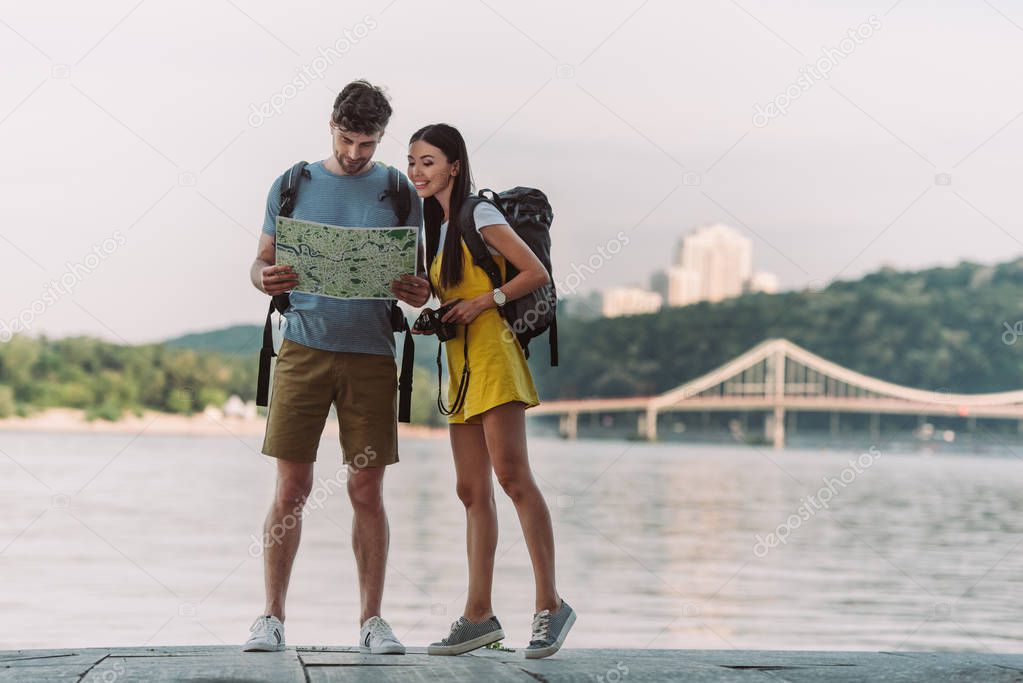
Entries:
{"x":282,"y":531}
{"x":370,"y":536}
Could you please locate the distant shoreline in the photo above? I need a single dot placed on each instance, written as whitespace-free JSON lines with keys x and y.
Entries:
{"x":68,"y":420}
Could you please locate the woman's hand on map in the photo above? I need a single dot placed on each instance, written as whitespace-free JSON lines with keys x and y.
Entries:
{"x":279,"y":279}
{"x":415,"y":291}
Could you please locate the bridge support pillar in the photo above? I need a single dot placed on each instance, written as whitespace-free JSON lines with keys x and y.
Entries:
{"x":569,"y":427}
{"x":834,"y":424}
{"x":775,"y":427}
{"x":647,"y":424}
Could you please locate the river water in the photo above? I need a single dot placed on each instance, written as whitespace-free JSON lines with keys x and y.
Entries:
{"x":131,"y":540}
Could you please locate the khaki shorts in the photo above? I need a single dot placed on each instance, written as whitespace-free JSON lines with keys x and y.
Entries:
{"x":363,"y":388}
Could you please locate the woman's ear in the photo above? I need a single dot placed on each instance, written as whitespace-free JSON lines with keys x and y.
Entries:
{"x":456,"y":167}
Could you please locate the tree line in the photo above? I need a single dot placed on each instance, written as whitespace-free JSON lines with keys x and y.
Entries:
{"x":957,"y":329}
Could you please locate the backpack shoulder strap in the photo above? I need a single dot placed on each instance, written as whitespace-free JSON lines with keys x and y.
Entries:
{"x":408,"y":355}
{"x":471,"y":236}
{"x":288,"y":193}
{"x":403,"y":207}
{"x":402,"y":195}
{"x":398,"y":191}
{"x":552,"y":339}
{"x":265,"y":354}
{"x":289,"y":187}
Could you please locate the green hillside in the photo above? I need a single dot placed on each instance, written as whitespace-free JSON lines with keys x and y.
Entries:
{"x":240,"y":339}
{"x":246,"y":340}
{"x":107,"y":379}
{"x":940,"y":328}
{"x":951,"y":328}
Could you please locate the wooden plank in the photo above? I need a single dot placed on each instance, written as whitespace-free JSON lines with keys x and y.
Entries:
{"x":331,"y":664}
{"x":254,"y":667}
{"x":323,"y":665}
{"x":19,"y":666}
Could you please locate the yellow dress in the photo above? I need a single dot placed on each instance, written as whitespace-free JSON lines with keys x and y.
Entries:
{"x":498,"y":372}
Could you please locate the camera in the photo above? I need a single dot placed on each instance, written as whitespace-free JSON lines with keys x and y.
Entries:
{"x":429,"y":322}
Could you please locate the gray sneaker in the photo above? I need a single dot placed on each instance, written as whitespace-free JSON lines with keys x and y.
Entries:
{"x":466,"y":635}
{"x":550,"y":631}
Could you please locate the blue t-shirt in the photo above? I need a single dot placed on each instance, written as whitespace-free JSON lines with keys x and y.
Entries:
{"x":350,"y":325}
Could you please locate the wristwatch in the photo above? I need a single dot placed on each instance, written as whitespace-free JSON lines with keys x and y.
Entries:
{"x":499,"y":297}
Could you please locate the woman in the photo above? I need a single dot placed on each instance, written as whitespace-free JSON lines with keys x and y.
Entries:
{"x":488,"y":430}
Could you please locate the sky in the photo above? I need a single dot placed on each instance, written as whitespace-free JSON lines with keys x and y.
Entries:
{"x":839,"y":136}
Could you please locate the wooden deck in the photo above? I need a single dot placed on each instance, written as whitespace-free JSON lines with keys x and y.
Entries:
{"x":321,"y":664}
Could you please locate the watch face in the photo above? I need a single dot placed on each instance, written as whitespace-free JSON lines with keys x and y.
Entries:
{"x":499,"y":297}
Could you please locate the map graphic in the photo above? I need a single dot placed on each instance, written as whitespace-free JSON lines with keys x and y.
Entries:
{"x":345,"y":263}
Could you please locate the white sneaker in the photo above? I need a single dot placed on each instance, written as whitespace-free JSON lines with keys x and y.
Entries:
{"x":267,"y":635}
{"x":377,"y":638}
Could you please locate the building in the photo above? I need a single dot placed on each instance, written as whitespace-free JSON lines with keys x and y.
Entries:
{"x":629,"y":301}
{"x":762,"y":282}
{"x":712,"y":263}
{"x":684,"y":286}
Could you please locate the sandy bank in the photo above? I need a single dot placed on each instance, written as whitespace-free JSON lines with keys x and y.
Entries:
{"x":152,"y":422}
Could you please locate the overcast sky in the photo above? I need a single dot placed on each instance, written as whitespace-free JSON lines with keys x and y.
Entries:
{"x":132,"y":122}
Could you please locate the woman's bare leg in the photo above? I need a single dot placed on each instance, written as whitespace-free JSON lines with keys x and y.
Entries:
{"x":476,"y":491}
{"x":504,"y":429}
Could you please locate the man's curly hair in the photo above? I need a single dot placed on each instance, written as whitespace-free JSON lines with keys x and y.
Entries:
{"x":362,"y":108}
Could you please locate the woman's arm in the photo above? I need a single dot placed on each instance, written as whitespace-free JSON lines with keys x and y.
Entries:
{"x":532,"y":275}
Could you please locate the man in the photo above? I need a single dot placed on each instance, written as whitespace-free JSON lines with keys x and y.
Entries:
{"x":335,"y":351}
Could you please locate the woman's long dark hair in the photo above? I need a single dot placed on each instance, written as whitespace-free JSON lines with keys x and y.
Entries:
{"x":449,"y":141}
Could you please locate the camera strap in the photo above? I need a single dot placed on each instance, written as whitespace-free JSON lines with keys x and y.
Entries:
{"x":463,"y":381}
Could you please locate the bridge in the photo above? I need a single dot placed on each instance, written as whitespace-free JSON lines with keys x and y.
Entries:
{"x":779,"y":378}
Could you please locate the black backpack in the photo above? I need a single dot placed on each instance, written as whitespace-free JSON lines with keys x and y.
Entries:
{"x":529,"y":214}
{"x":398,"y":192}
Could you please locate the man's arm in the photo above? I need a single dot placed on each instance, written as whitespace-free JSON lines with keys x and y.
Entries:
{"x":265,"y":275}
